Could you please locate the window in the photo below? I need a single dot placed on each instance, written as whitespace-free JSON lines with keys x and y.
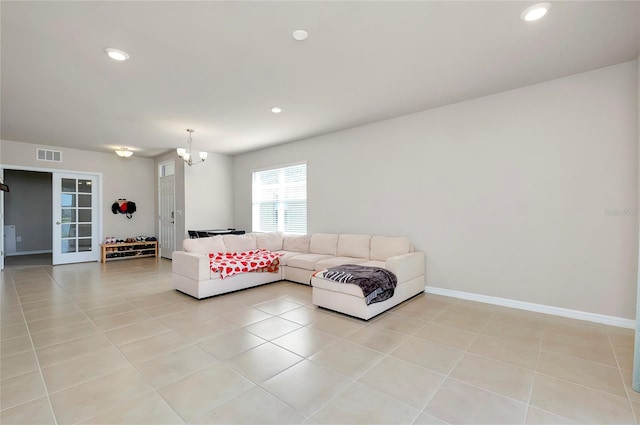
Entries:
{"x":280,"y":200}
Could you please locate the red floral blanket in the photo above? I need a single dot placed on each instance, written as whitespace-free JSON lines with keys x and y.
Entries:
{"x":230,"y":263}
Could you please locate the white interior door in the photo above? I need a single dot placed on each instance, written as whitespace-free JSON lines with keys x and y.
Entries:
{"x":75,"y":218}
{"x":167,"y":239}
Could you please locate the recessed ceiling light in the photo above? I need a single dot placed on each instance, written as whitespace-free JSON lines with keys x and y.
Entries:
{"x":276,"y":109}
{"x":535,"y":12}
{"x":300,"y":35}
{"x":116,"y":54}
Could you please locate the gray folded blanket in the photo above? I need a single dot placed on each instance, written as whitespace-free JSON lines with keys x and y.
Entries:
{"x":377,"y":284}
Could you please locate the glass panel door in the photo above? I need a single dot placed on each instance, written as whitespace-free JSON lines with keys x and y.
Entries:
{"x":75,"y":235}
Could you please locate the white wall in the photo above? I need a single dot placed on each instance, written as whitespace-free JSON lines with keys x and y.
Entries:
{"x":208,"y":189}
{"x":131,"y":178}
{"x":519,"y":195}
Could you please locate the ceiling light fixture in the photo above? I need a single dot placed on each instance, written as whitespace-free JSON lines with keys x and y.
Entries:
{"x":124,"y":152}
{"x":276,"y":109}
{"x":116,"y":54}
{"x":535,"y":12}
{"x":185,"y":154}
{"x":300,"y":35}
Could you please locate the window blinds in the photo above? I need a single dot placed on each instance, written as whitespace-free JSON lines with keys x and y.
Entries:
{"x":280,"y":200}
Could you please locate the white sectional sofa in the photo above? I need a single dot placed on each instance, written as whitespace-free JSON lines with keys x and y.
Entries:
{"x":303,"y":255}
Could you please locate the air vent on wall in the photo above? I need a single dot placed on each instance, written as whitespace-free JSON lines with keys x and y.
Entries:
{"x":48,"y":155}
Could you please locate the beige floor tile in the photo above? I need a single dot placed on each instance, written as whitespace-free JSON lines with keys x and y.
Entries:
{"x":591,"y":374}
{"x":61,"y":301}
{"x":50,"y":312}
{"x":304,"y":341}
{"x":277,"y":306}
{"x":579,"y":403}
{"x":230,"y":344}
{"x":338,"y":326}
{"x":537,"y":416}
{"x":13,"y":331}
{"x":473,"y":308}
{"x":215,"y":386}
{"x":460,"y":403}
{"x":48,"y":324}
{"x":10,"y":347}
{"x":136,"y":331}
{"x":63,"y":334}
{"x":110,"y":310}
{"x":306,"y":387}
{"x":245,"y":316}
{"x":417,"y":311}
{"x":427,"y":419}
{"x":460,"y":320}
{"x":149,"y":409}
{"x":304,"y":315}
{"x":21,"y":389}
{"x":82,"y":369}
{"x":502,"y":378}
{"x":434,"y":356}
{"x":60,"y":353}
{"x":522,"y":318}
{"x":348,"y":359}
{"x":170,"y":367}
{"x":96,"y":302}
{"x":36,"y":412}
{"x":167,"y":309}
{"x":513,"y":351}
{"x":256,"y":406}
{"x":619,"y":339}
{"x":584,"y":349}
{"x":12,"y":319}
{"x":578,"y":331}
{"x":18,"y":364}
{"x":627,"y":377}
{"x":501,"y":330}
{"x":398,"y":323}
{"x":624,"y":357}
{"x":152,"y":347}
{"x":119,"y":320}
{"x":447,"y":335}
{"x":199,"y":329}
{"x":636,"y":410}
{"x":413,"y":385}
{"x":253,"y":365}
{"x":377,"y":339}
{"x":272,"y":328}
{"x":99,"y":395}
{"x":373,"y":407}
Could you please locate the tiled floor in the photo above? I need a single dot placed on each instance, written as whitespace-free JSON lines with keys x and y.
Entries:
{"x":114,"y":344}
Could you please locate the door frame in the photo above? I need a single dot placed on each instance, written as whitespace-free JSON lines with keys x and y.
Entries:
{"x":99,"y":177}
{"x":159,"y":166}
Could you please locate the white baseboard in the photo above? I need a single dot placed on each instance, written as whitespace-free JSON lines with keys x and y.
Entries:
{"x":539,"y":308}
{"x":45,"y":251}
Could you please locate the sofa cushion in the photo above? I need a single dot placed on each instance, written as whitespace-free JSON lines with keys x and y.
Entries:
{"x":306,"y":261}
{"x":284,"y":260}
{"x":271,"y":241}
{"x":239,"y":243}
{"x":354,"y":246}
{"x":296,"y":243}
{"x":338,"y":261}
{"x":383,"y":247}
{"x":324,"y":243}
{"x":204,"y":245}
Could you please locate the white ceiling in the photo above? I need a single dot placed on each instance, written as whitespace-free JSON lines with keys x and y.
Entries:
{"x":219,"y":67}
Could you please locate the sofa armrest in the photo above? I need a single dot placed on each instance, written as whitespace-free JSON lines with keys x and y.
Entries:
{"x":190,"y":264}
{"x":407,"y":266}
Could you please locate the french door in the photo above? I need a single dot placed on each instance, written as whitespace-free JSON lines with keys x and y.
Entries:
{"x":75,"y":218}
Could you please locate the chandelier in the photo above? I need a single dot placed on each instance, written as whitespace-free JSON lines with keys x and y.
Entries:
{"x":186,"y":155}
